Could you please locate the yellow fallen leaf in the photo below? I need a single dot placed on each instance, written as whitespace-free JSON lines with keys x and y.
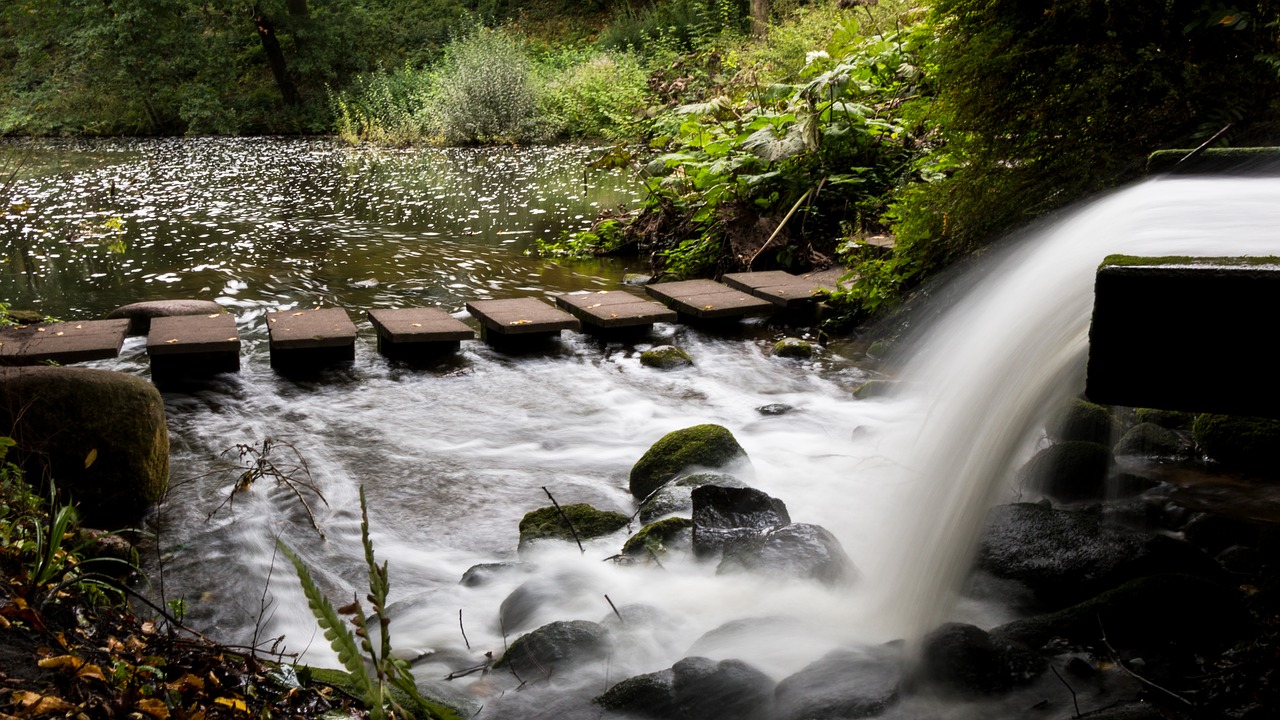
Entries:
{"x":153,"y":707}
{"x":171,"y":341}
{"x":520,"y":322}
{"x":415,"y":324}
{"x":88,"y":459}
{"x":216,"y":315}
{"x":40,"y":330}
{"x":613,"y":314}
{"x":231,"y":339}
{"x":58,"y":334}
{"x":708,"y":307}
{"x":233,"y":703}
{"x":304,"y":312}
{"x":186,"y":682}
{"x":36,"y":704}
{"x":60,"y":662}
{"x":79,"y":327}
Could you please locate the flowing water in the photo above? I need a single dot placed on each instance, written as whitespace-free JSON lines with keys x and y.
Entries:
{"x":451,"y":457}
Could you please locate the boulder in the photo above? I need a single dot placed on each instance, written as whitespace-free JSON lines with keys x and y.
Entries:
{"x":724,"y":517}
{"x":1083,"y":421}
{"x":650,"y":695}
{"x":727,"y":690}
{"x":793,"y":348}
{"x":549,"y":523}
{"x":556,"y":646}
{"x":666,"y":357}
{"x":1171,"y":419}
{"x":844,"y":684}
{"x":1151,"y":440}
{"x":677,"y":496}
{"x":657,"y":537}
{"x":798,"y":550}
{"x":141,"y":313}
{"x":100,"y":435}
{"x":519,"y":609}
{"x":1069,"y":471}
{"x":1244,"y":443}
{"x":774,"y":409}
{"x":964,"y":659}
{"x":1067,"y":557}
{"x":702,"y":446}
{"x":483,"y":573}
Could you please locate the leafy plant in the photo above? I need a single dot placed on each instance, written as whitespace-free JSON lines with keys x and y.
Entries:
{"x":483,"y":90}
{"x":388,"y":671}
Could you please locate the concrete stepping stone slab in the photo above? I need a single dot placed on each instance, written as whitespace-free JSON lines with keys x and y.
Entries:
{"x":310,"y":339}
{"x":191,"y":348}
{"x":523,"y":319}
{"x":613,"y":309}
{"x":64,"y":343}
{"x":708,"y":300}
{"x":140,"y":314}
{"x":780,"y":288}
{"x":418,"y":333}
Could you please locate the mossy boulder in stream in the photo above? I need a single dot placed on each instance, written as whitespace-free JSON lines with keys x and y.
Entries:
{"x":1244,"y":443}
{"x":665,"y":357}
{"x":1069,"y":471}
{"x":1151,"y":440}
{"x":703,"y":446}
{"x":1083,"y":421}
{"x":794,"y":348}
{"x":549,"y":523}
{"x":656,"y":537}
{"x":100,"y":435}
{"x":555,"y":647}
{"x":677,"y":495}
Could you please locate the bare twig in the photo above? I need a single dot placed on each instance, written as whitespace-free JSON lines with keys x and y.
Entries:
{"x":1116,"y":656}
{"x":1069,"y":689}
{"x":463,"y":629}
{"x":615,"y":609}
{"x":1203,"y":146}
{"x":566,"y":519}
{"x":781,"y":225}
{"x":654,"y":555}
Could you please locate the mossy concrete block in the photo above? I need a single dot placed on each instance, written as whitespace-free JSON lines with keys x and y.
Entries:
{"x":1215,"y":161}
{"x":1246,"y":443}
{"x":704,"y":446}
{"x":1146,"y":308}
{"x":666,"y":357}
{"x":549,"y":523}
{"x":794,"y":348}
{"x":656,"y":537}
{"x":100,"y":435}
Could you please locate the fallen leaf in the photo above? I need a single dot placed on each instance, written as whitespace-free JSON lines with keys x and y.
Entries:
{"x":415,"y":324}
{"x":234,"y":703}
{"x":216,"y":315}
{"x":186,"y":682}
{"x":153,"y":707}
{"x":304,"y":312}
{"x":88,"y":459}
{"x":708,"y":307}
{"x":58,"y":334}
{"x":171,"y":341}
{"x":149,"y":628}
{"x":32,"y":704}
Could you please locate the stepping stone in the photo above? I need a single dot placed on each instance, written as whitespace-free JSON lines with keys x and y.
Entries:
{"x":192,"y":347}
{"x":520,"y":320}
{"x":310,"y":339}
{"x":417,"y":333}
{"x":64,"y":343}
{"x":783,"y":289}
{"x":614,"y":309}
{"x":140,"y":314}
{"x":708,"y":300}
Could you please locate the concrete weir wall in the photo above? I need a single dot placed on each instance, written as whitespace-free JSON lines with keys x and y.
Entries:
{"x":1194,"y":334}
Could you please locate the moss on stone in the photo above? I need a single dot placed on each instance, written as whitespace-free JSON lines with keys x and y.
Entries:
{"x":1172,"y":419}
{"x":1245,"y":443}
{"x":793,"y":348}
{"x":705,"y":446}
{"x":1083,"y":421}
{"x":1070,"y":471}
{"x":655,"y":536}
{"x":1149,"y":439}
{"x":665,"y":357}
{"x":547,"y":522}
{"x":1184,"y":260}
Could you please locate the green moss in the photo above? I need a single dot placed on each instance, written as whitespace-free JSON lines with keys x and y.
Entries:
{"x":342,"y":681}
{"x":1172,"y":419}
{"x":706,"y":446}
{"x":665,"y":357}
{"x":874,"y":389}
{"x":655,"y":536}
{"x":1182,"y":260}
{"x":1083,"y":421}
{"x":547,"y":522}
{"x":1070,"y":470}
{"x":793,"y":348}
{"x":1149,"y":439}
{"x":1245,"y":443}
{"x":1162,"y":161}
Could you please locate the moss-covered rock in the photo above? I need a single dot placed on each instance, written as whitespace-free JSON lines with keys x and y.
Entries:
{"x":588,"y":522}
{"x":677,"y":495}
{"x":703,"y":446}
{"x":1069,"y":471}
{"x":666,"y":357}
{"x":1083,"y":421}
{"x":556,"y":646}
{"x":1172,"y":419}
{"x":1245,"y":443}
{"x":793,"y":348}
{"x":874,"y":389}
{"x":650,"y":695}
{"x":1150,"y":439}
{"x":657,"y":536}
{"x":99,"y":434}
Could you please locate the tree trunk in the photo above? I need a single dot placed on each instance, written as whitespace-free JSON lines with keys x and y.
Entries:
{"x":759,"y":17}
{"x":275,"y":57}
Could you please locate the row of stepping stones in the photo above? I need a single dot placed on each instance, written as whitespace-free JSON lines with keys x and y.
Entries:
{"x":192,"y":339}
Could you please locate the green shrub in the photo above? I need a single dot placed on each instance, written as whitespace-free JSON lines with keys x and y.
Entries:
{"x":483,"y":90}
{"x":679,"y":25}
{"x":383,"y":108}
{"x":604,"y":95}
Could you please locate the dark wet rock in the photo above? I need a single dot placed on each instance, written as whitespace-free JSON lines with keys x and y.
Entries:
{"x":1244,"y":443}
{"x":519,"y":608}
{"x":774,"y":409}
{"x":794,"y":348}
{"x":1128,"y":711}
{"x":100,"y":434}
{"x":1215,"y":533}
{"x":483,"y":573}
{"x":556,"y":647}
{"x":843,"y":685}
{"x":666,"y":357}
{"x":727,"y":690}
{"x":966,"y":660}
{"x":1155,"y":614}
{"x":1066,"y":557}
{"x":701,"y":446}
{"x":798,"y":550}
{"x":651,"y":695}
{"x":1083,"y":421}
{"x":874,"y":389}
{"x":1069,"y":471}
{"x":584,"y":520}
{"x":140,"y":314}
{"x":1151,"y":440}
{"x":1171,"y":419}
{"x":116,"y":555}
{"x":725,"y":516}
{"x":658,"y":537}
{"x":746,"y":635}
{"x":636,"y":617}
{"x":677,"y":496}
{"x":1241,"y":560}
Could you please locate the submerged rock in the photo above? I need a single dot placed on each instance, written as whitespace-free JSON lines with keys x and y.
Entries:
{"x":483,"y":573}
{"x":1069,"y":471}
{"x":651,"y":695}
{"x":725,"y":516}
{"x":677,"y":496}
{"x":702,"y":446}
{"x":798,"y":550}
{"x":1066,"y":557}
{"x":556,"y":647}
{"x":843,"y":685}
{"x":774,"y":409}
{"x":588,"y":522}
{"x":964,"y":659}
{"x":666,"y":357}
